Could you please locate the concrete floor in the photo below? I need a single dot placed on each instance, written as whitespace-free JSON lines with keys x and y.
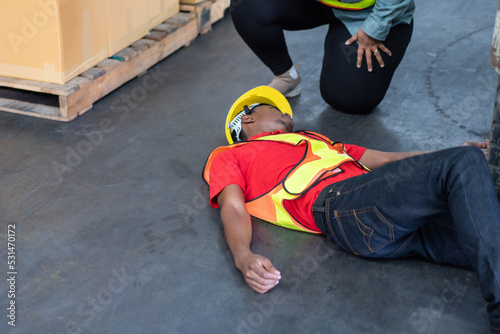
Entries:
{"x":114,"y":233}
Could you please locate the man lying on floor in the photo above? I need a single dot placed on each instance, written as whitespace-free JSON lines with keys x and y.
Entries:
{"x":441,"y":206}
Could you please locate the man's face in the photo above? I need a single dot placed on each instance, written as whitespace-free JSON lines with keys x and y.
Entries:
{"x":270,"y":118}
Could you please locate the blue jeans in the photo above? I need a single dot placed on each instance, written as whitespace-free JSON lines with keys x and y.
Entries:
{"x":441,"y":206}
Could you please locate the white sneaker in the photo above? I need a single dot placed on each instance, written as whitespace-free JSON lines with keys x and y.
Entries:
{"x":286,"y":84}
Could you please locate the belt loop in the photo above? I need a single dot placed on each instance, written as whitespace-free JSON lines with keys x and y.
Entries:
{"x":318,"y":209}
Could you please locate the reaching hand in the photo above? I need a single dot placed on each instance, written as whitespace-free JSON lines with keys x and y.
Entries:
{"x":368,"y":47}
{"x":259,"y":273}
{"x":484,"y":146}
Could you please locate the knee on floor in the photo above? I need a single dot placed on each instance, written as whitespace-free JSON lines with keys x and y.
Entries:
{"x":350,"y":104}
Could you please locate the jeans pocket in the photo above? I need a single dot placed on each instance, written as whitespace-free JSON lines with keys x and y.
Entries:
{"x":362,"y":232}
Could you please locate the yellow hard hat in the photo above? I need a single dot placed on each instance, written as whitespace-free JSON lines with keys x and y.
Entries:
{"x":258,"y":95}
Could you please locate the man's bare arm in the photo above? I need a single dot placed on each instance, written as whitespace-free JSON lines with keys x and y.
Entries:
{"x":258,"y":271}
{"x":374,"y":159}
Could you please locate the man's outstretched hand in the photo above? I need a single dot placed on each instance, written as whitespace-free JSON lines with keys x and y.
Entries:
{"x":484,"y":146}
{"x":259,"y":272}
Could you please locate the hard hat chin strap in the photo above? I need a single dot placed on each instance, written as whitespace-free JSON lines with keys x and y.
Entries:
{"x":235,"y":124}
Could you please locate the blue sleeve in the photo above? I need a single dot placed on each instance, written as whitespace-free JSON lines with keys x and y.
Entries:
{"x":383,"y":16}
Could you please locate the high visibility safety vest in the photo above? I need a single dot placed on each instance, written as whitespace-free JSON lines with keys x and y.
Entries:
{"x":349,"y":6}
{"x":321,"y":157}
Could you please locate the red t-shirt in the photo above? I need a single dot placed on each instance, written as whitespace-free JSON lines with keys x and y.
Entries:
{"x":258,"y":167}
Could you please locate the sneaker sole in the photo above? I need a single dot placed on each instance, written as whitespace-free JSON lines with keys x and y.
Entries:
{"x":294,"y":91}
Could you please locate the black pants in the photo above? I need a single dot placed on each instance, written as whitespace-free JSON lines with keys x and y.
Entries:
{"x":344,"y":86}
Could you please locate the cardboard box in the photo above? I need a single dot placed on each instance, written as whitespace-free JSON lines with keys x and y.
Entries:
{"x":56,"y":40}
{"x":51,"y":40}
{"x":190,"y":2}
{"x":130,"y":20}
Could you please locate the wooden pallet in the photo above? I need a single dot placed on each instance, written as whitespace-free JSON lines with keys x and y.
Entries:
{"x":207,"y":11}
{"x":65,"y":102}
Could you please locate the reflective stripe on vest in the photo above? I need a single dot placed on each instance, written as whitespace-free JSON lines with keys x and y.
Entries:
{"x":349,"y":6}
{"x":321,"y":157}
{"x":319,"y":161}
